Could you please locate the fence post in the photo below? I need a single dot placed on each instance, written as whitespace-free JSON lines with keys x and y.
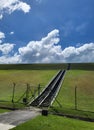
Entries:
{"x":75,"y":97}
{"x":13,"y":94}
{"x":38,"y":89}
{"x":27,"y":93}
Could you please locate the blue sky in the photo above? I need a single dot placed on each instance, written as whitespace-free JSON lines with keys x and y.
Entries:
{"x":45,"y":31}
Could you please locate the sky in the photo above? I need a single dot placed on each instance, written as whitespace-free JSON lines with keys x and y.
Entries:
{"x":46,"y":31}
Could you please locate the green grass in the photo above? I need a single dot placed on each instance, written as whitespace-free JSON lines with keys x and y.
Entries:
{"x":84,"y":80}
{"x":35,"y":74}
{"x":21,"y":78}
{"x":53,"y":66}
{"x":82,"y":66}
{"x":4,"y":110}
{"x":53,"y":122}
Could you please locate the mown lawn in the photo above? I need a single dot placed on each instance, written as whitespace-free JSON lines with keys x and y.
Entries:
{"x":53,"y":122}
{"x":21,"y":78}
{"x":84,"y":81}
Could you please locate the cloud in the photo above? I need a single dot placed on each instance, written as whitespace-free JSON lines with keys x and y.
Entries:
{"x":1,"y":16}
{"x":5,"y":59}
{"x":9,"y":6}
{"x":68,"y":28}
{"x":47,"y":50}
{"x":2,"y":35}
{"x":81,"y":28}
{"x":39,"y":1}
{"x":6,"y":48}
{"x":84,"y":53}
{"x":11,"y":33}
{"x":40,"y":51}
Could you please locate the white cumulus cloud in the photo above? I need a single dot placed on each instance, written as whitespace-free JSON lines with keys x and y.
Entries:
{"x":9,"y":6}
{"x":40,"y":51}
{"x":84,"y":53}
{"x":47,"y":50}
{"x":2,"y":35}
{"x":5,"y":59}
{"x":6,"y":48}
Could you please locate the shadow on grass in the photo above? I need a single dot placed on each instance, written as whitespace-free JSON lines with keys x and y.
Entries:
{"x":11,"y":106}
{"x":85,"y":111}
{"x":72,"y":113}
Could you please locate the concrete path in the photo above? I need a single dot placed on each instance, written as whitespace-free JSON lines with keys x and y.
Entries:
{"x":6,"y":126}
{"x":12,"y":119}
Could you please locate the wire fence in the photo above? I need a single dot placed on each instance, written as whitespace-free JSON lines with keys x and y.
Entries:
{"x":18,"y":94}
{"x":84,"y":100}
{"x":75,"y":98}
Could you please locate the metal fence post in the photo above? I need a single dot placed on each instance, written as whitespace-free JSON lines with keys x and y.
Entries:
{"x":38,"y":89}
{"x":75,"y":97}
{"x":27,"y":92}
{"x":13,"y":92}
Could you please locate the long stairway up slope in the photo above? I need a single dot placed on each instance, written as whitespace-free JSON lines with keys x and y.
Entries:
{"x":46,"y":97}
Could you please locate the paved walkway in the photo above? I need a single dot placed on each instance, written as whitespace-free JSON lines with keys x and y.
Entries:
{"x":6,"y":126}
{"x":12,"y":119}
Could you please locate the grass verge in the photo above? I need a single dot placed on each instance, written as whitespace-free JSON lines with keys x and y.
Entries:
{"x":65,"y":101}
{"x":52,"y":122}
{"x":4,"y":110}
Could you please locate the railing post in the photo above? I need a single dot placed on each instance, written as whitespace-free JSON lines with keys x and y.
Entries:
{"x":13,"y":94}
{"x":75,"y":97}
{"x":27,"y":93}
{"x":38,"y":89}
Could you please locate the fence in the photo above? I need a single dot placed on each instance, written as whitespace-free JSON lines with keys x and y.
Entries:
{"x":75,"y":98}
{"x":17,"y":95}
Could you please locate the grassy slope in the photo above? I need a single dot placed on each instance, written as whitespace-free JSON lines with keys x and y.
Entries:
{"x":21,"y":77}
{"x":79,"y":66}
{"x":82,"y":66}
{"x":55,"y":123}
{"x":32,"y":66}
{"x":84,"y":80}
